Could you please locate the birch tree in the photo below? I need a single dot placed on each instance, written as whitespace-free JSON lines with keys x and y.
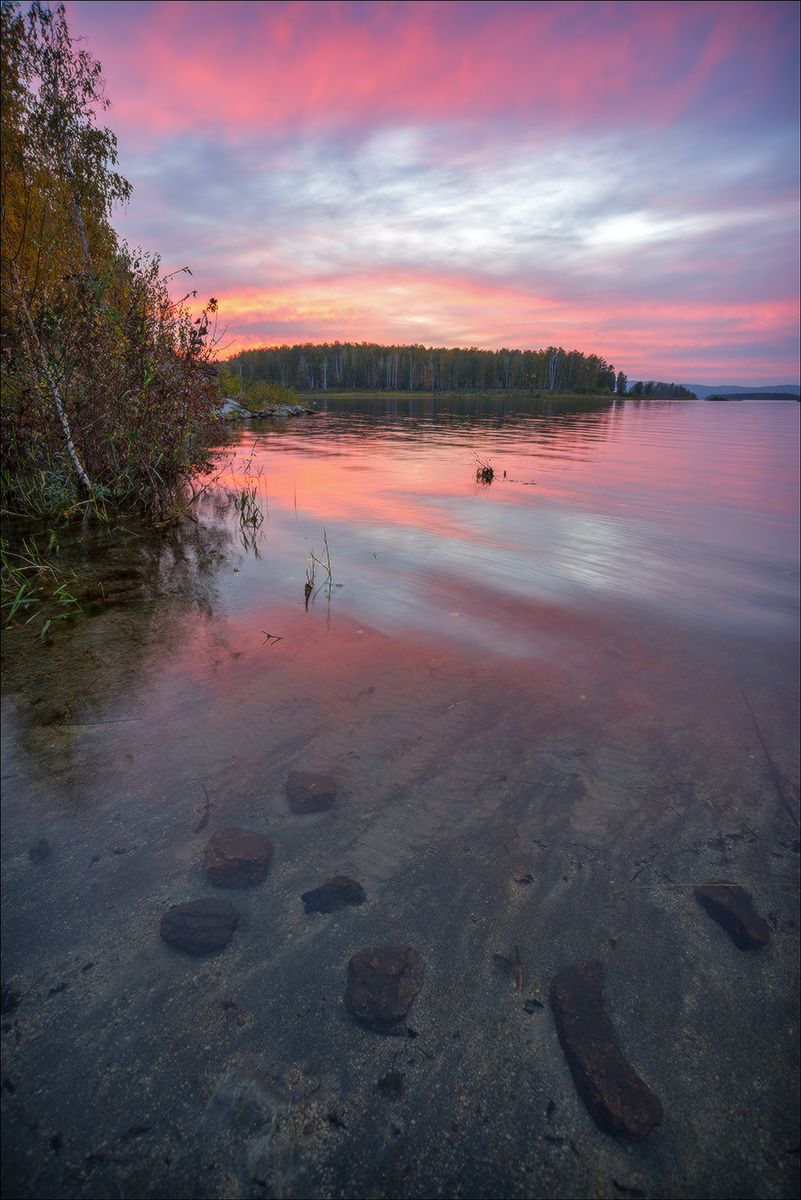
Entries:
{"x":105,"y":378}
{"x":58,"y":189}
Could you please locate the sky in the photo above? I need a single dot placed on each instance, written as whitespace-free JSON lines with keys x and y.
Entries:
{"x":618,"y":178}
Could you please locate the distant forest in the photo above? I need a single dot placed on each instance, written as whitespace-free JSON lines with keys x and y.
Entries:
{"x":366,"y":366}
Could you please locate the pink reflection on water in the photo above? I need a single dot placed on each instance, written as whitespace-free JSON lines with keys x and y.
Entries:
{"x":694,"y":473}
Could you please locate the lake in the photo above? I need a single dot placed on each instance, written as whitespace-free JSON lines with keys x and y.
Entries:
{"x":553,"y":705}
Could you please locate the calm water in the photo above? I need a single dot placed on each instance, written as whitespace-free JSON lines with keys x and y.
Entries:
{"x":532,"y":695}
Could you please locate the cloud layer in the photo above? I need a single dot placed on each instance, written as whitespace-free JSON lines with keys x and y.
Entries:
{"x":616,"y":177}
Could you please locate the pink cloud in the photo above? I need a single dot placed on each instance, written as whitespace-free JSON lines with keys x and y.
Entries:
{"x":609,"y":176}
{"x":661,"y":338}
{"x":275,"y":67}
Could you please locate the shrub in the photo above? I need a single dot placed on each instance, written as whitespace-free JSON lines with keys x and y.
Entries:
{"x":261,"y":395}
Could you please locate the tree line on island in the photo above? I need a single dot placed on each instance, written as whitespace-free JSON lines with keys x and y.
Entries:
{"x":368,"y":366}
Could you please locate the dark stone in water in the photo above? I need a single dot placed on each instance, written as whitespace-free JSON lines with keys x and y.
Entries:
{"x":40,"y":851}
{"x":617,"y":1098}
{"x":310,"y":793}
{"x":9,"y":1000}
{"x":200,"y":925}
{"x":391,"y":1084}
{"x":731,"y":907}
{"x":236,"y":858}
{"x":335,"y":893}
{"x":382,"y":983}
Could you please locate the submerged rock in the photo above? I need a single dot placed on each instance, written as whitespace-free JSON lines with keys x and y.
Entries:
{"x":200,"y":925}
{"x":337,"y":892}
{"x":310,"y":793}
{"x":9,"y":1000}
{"x":617,"y":1098}
{"x":237,"y":857}
{"x":731,"y":907}
{"x":381,"y":985}
{"x":391,"y":1084}
{"x":40,"y":851}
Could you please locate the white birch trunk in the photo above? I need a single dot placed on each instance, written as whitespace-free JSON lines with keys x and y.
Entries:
{"x":75,"y":197}
{"x":83,"y":478}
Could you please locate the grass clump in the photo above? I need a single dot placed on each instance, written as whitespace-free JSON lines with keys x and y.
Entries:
{"x":34,"y":588}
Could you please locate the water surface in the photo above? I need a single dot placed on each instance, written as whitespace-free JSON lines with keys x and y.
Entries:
{"x":532,"y":696}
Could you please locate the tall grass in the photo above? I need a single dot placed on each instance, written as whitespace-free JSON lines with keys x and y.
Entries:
{"x":33,"y":588}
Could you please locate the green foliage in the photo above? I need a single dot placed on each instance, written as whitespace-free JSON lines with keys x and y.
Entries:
{"x":58,"y":182}
{"x":228,"y":384}
{"x":622,"y":384}
{"x":262,"y":395}
{"x":108,"y":390}
{"x":34,"y":589}
{"x":247,"y":507}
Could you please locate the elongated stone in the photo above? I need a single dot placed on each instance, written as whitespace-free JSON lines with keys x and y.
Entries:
{"x":617,"y":1098}
{"x":731,"y":907}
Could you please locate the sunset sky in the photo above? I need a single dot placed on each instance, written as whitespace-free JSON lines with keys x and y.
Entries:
{"x":621,"y":178}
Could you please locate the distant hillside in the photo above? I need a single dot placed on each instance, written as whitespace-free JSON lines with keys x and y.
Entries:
{"x":770,"y":391}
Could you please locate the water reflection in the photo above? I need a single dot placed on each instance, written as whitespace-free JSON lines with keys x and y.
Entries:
{"x":529,"y":695}
{"x":136,"y":592}
{"x":675,"y":512}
